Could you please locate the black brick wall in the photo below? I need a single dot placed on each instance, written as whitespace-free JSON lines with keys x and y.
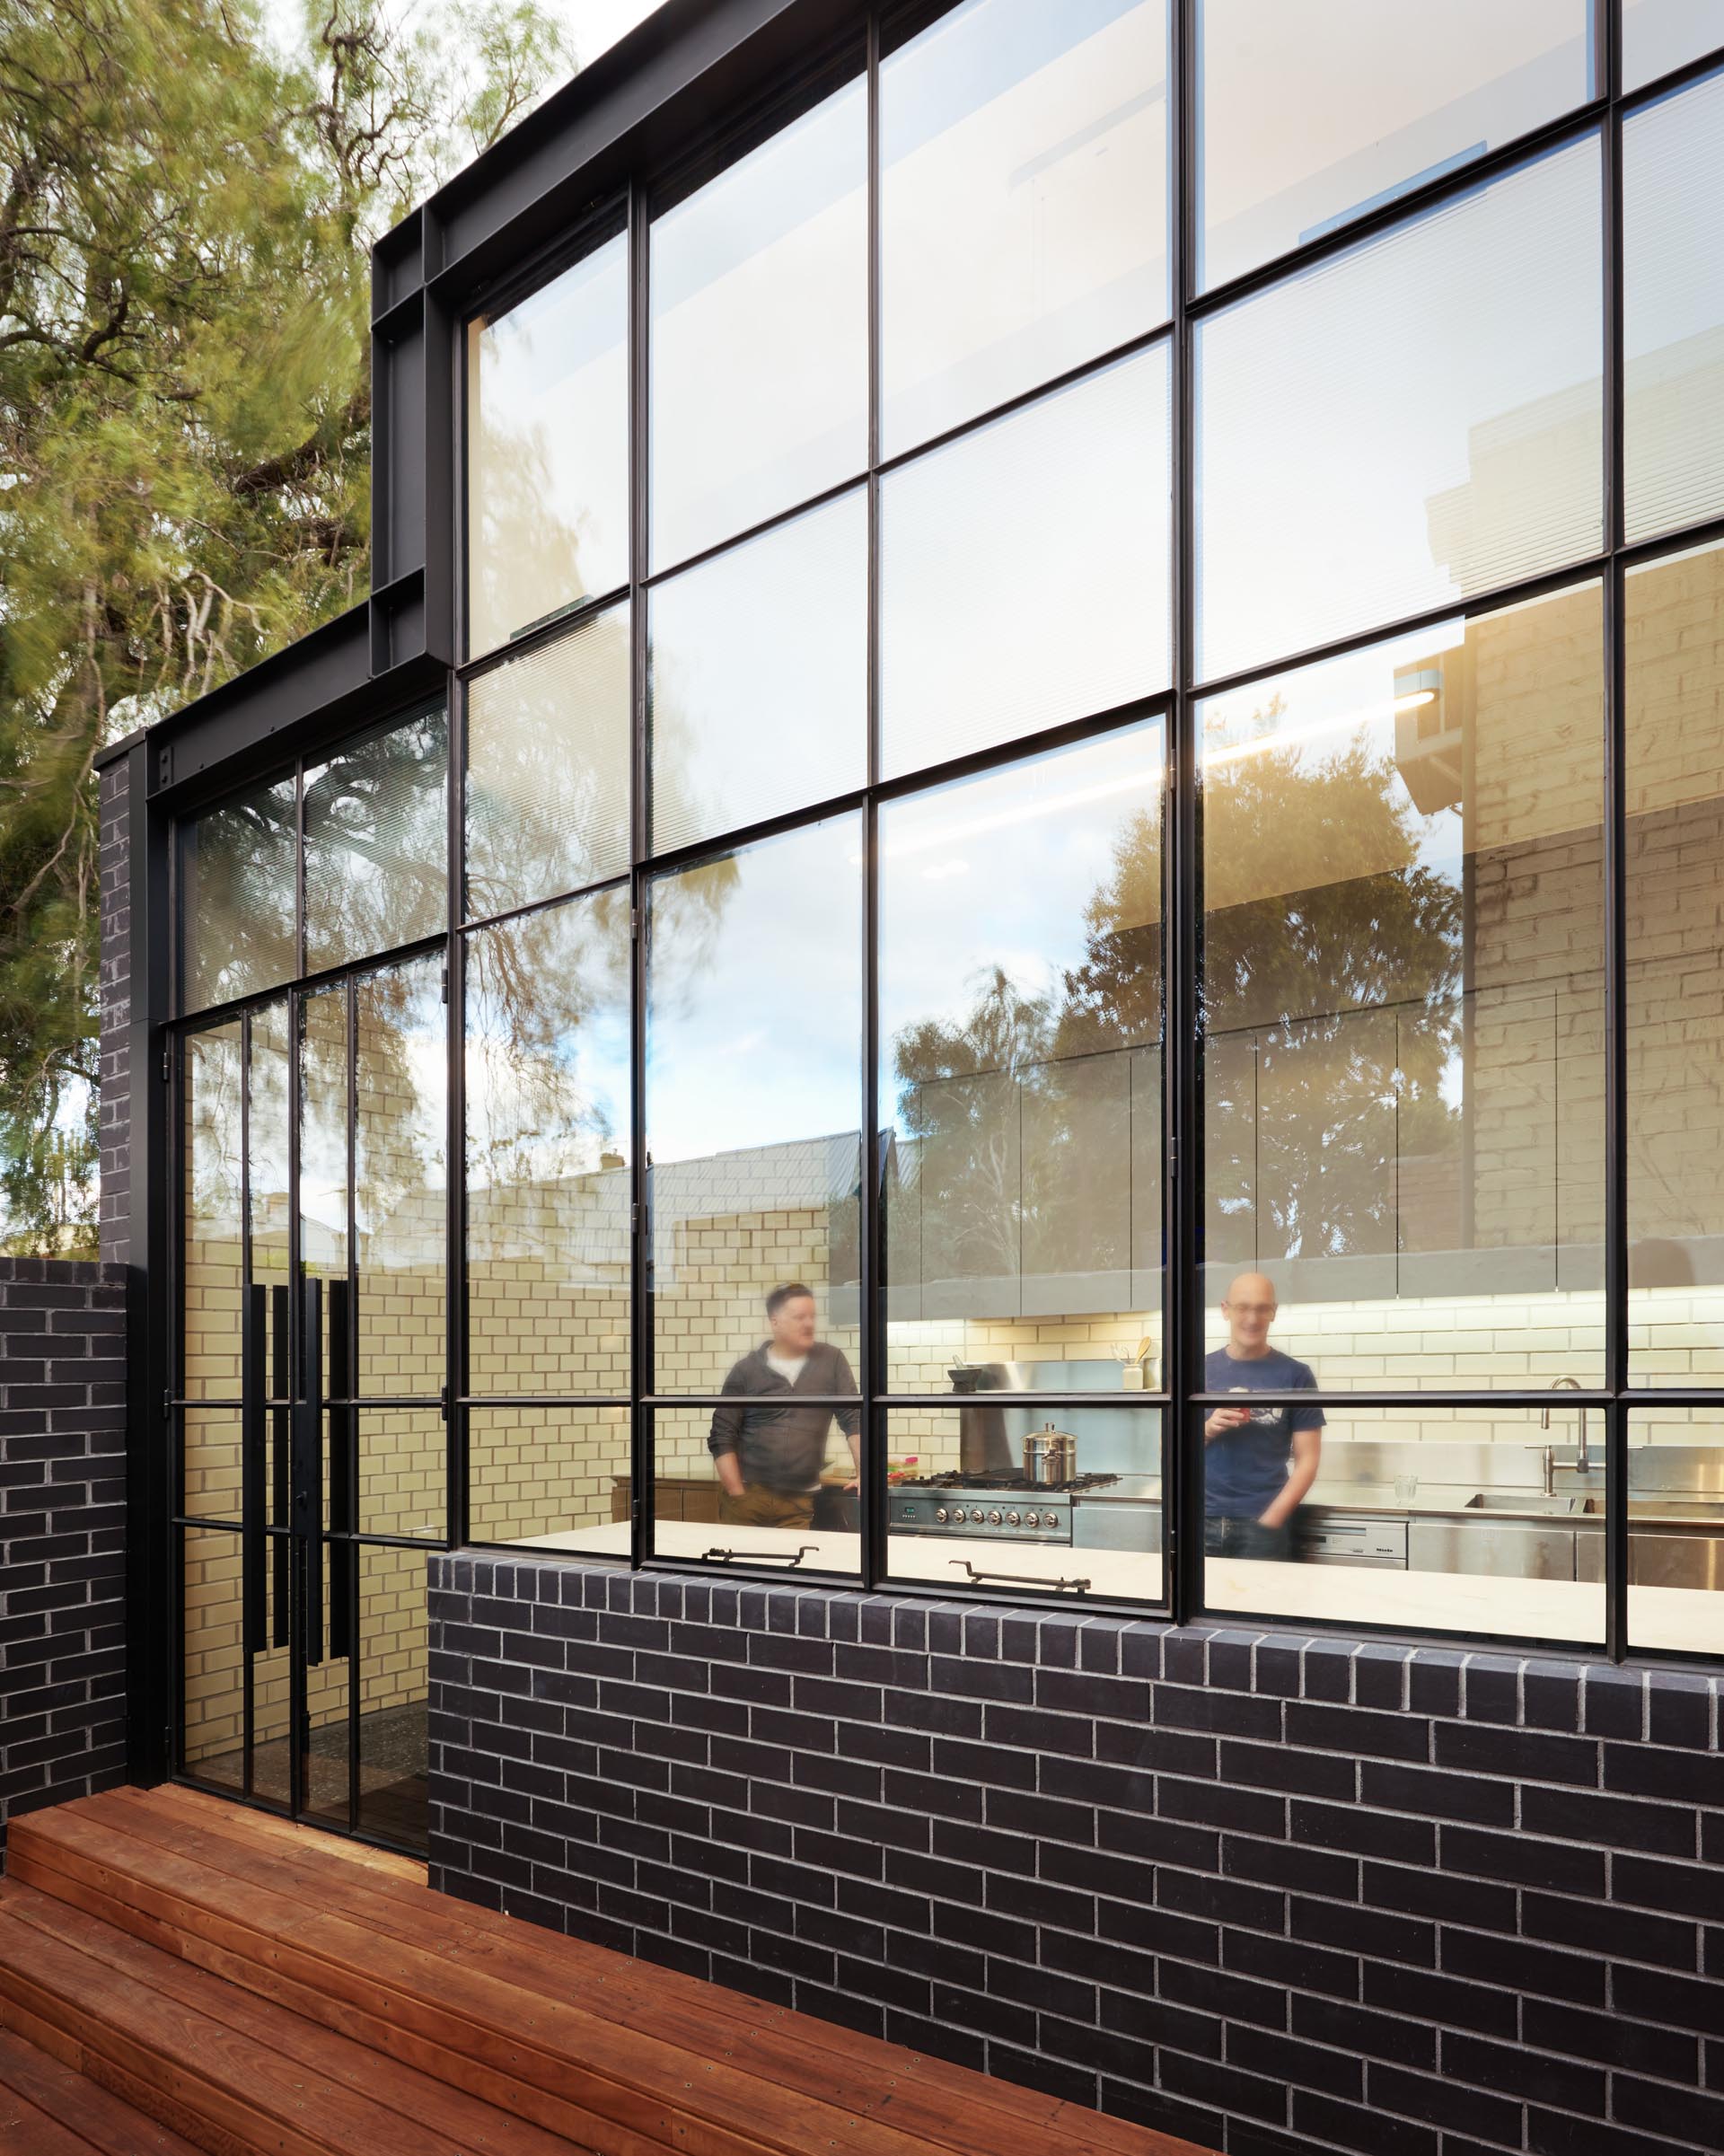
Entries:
{"x":1274,"y":1893}
{"x":62,"y":1532}
{"x":114,"y":1125}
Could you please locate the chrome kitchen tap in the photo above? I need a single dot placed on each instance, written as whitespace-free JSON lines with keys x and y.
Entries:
{"x":1582,"y":1458}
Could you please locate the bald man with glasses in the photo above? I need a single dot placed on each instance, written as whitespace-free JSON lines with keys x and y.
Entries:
{"x":1259,"y":1460}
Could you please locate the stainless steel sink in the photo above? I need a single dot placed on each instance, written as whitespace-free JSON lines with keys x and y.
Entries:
{"x":1529,"y":1501}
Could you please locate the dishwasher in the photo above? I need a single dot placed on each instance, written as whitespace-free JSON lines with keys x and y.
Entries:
{"x":1357,"y":1538}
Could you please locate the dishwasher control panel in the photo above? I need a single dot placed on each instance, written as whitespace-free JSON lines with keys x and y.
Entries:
{"x":1354,"y":1538}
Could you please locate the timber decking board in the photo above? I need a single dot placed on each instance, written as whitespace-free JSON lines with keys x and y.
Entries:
{"x":315,"y":1953}
{"x":753,"y":2037}
{"x":45,"y":2105}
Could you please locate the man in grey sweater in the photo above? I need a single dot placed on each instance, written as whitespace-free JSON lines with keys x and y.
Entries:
{"x":769,"y":1453}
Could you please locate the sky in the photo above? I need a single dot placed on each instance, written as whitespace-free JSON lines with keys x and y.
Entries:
{"x":592,"y":24}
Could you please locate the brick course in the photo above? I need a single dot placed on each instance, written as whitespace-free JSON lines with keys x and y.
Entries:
{"x":1272,"y":1893}
{"x":62,"y":1532}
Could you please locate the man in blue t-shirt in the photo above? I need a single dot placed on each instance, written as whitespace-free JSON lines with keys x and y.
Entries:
{"x":1258,"y":1462}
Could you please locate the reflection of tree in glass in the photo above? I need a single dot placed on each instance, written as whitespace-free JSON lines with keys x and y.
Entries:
{"x":521,"y":545}
{"x":238,"y":869}
{"x":376,"y":874}
{"x":1319,"y":910}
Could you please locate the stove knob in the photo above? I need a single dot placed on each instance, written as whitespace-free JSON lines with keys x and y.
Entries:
{"x":1032,"y":1520}
{"x":957,"y":1515}
{"x":940,"y":1515}
{"x":993,"y":1519}
{"x":1012,"y":1520}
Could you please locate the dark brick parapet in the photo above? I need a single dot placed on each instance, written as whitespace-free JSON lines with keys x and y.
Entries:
{"x":1273,"y":1893}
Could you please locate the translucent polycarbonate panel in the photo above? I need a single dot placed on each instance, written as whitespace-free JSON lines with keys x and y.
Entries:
{"x":1415,"y":420}
{"x":1313,"y":112}
{"x":393,"y":1670}
{"x":759,"y":353}
{"x":1674,"y":946}
{"x":759,"y":676}
{"x":547,"y":768}
{"x":753,"y":1078}
{"x":236,"y":896}
{"x":557,"y":1478}
{"x":1024,"y":569}
{"x":548,"y":1150}
{"x":962,"y":1512}
{"x":376,"y":843}
{"x":1020,"y":966}
{"x":401,"y":1193}
{"x":1672,"y":309}
{"x":714,"y":1498}
{"x":1023,"y":202}
{"x":213,"y":1232}
{"x":548,"y":450}
{"x":1403,"y":1025}
{"x":1488,"y":1521}
{"x":1659,"y":35}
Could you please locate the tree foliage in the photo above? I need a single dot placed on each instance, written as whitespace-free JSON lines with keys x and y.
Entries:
{"x":184,"y":423}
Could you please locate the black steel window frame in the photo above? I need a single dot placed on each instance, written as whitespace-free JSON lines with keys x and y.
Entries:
{"x":1600,"y":115}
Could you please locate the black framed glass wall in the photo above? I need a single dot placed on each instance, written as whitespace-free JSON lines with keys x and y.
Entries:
{"x":1106,"y":835}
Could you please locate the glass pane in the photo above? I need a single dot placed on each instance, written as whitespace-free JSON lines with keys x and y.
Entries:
{"x":1023,"y":202}
{"x":547,"y":768}
{"x":1672,"y":309}
{"x":324,"y":1135}
{"x":401,"y":1469}
{"x":1673,"y":948}
{"x":1473,"y":1520}
{"x":555,"y":1477}
{"x":1659,"y":35}
{"x":548,"y":450}
{"x":212,"y":1658}
{"x":759,"y":332}
{"x":213,"y":1254}
{"x":1676,"y":1530}
{"x":393,"y":1788}
{"x":210,"y":1463}
{"x":236,"y":897}
{"x":399,"y":1179}
{"x":1417,"y":418}
{"x":1024,"y":569}
{"x":271,"y":1683}
{"x":770,"y":1487}
{"x":759,"y":681}
{"x":1020,"y":1085}
{"x":327,"y":1747}
{"x":1402,"y":1008}
{"x":548,"y":1145}
{"x":1315,"y":111}
{"x":991,"y":1495}
{"x":754,"y":1110}
{"x":268,"y":1193}
{"x":375,"y":842}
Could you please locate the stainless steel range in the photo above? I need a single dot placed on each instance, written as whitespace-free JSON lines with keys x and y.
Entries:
{"x":1090,"y":1512}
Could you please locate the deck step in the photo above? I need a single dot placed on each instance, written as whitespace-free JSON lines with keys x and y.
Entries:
{"x":581,"y":2045}
{"x":48,"y":2108}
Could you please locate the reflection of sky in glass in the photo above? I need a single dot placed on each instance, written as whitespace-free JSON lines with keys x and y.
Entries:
{"x":754,"y":996}
{"x":1659,"y":35}
{"x":1040,"y":135}
{"x":1387,"y":98}
{"x":548,"y":458}
{"x":759,"y":676}
{"x":1024,"y":569}
{"x":1418,"y":418}
{"x":759,"y":346}
{"x":998,"y":871}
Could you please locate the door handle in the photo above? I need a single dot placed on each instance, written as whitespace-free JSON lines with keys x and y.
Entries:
{"x":252,"y":1314}
{"x":308,"y":1464}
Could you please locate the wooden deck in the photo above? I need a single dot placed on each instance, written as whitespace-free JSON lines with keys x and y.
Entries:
{"x":177,"y":1973}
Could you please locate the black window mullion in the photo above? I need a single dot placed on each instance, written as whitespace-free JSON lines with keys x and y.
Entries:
{"x":642,"y":1435}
